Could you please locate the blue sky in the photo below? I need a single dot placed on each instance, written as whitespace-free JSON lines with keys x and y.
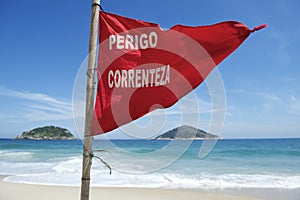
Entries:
{"x":42,"y":45}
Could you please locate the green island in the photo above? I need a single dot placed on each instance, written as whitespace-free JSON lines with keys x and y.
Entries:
{"x":186,"y":133}
{"x":47,"y":133}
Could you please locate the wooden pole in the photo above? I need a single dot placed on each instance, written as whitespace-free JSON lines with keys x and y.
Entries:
{"x":89,"y":108}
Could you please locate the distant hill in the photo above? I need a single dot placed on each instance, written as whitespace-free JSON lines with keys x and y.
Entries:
{"x":186,"y":133}
{"x":47,"y":133}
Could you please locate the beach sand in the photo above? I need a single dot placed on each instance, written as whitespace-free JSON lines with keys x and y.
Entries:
{"x":18,"y":191}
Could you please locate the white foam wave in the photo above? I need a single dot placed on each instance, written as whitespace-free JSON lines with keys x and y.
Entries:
{"x":9,"y":168}
{"x":68,"y":173}
{"x":228,"y":181}
{"x":103,"y":179}
{"x":69,"y":166}
{"x":18,"y":155}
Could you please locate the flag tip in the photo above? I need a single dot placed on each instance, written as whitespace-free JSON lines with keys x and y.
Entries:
{"x":257,"y":28}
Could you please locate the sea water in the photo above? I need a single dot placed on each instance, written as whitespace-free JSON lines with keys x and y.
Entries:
{"x":244,"y":164}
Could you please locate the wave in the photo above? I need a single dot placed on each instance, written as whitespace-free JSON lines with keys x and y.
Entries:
{"x":229,"y":181}
{"x":68,"y":173}
{"x":255,"y":152}
{"x":232,"y":164}
{"x":17,"y":156}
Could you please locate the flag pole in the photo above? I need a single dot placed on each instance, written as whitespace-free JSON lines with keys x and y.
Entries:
{"x":89,"y":107}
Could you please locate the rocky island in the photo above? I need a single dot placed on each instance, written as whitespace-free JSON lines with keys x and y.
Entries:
{"x":186,"y":133}
{"x":47,"y":133}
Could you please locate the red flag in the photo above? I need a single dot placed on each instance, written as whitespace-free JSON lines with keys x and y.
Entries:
{"x":142,"y":67}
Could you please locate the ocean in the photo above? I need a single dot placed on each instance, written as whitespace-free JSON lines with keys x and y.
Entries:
{"x":242,"y":164}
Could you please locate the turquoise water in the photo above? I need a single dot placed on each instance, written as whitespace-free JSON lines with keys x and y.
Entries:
{"x":264,"y":163}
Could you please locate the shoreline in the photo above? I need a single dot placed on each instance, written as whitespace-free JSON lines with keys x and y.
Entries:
{"x":21,"y":191}
{"x":235,"y":168}
{"x":25,"y":191}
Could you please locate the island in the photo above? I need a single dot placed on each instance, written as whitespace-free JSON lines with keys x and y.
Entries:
{"x":47,"y":133}
{"x":186,"y":133}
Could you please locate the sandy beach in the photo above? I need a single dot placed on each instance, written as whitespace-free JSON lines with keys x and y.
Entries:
{"x":17,"y":191}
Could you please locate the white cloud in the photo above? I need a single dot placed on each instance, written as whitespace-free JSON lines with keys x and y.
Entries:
{"x":263,"y":114}
{"x":31,"y":106}
{"x":295,"y":105}
{"x":273,"y":103}
{"x":245,"y":129}
{"x":191,"y":104}
{"x":38,"y":97}
{"x":263,"y":102}
{"x":283,"y":40}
